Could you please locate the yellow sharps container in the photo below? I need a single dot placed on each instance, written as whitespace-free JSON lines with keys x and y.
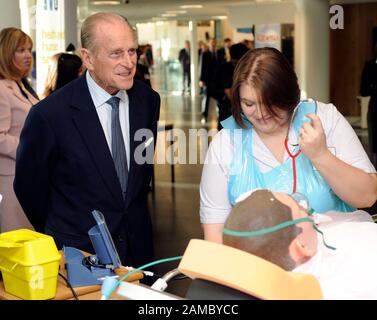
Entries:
{"x":29,"y":262}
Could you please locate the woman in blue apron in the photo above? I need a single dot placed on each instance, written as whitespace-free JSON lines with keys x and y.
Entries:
{"x":265,"y":102}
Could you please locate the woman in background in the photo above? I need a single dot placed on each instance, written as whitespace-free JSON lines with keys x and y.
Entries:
{"x":16,"y":99}
{"x":63,"y":68}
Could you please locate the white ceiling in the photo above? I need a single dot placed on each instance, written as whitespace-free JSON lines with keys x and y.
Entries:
{"x":152,"y":10}
{"x":149,"y":10}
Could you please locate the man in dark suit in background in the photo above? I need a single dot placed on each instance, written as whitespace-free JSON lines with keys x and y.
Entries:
{"x":223,"y":82}
{"x":80,"y":148}
{"x":209,"y":65}
{"x":368,"y":87}
{"x":223,"y":54}
{"x":184,"y":59}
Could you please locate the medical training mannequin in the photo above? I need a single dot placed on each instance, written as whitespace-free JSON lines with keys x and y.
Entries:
{"x":275,"y":141}
{"x":339,"y":258}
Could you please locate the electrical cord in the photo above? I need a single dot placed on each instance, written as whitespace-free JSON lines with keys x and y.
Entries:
{"x":70,"y":287}
{"x":177,"y":277}
{"x":109,"y":285}
{"x":156,"y":275}
{"x":180,"y":277}
{"x":171,"y":274}
{"x":162,"y":283}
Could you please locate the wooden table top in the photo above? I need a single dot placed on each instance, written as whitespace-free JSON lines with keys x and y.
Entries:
{"x":63,"y":292}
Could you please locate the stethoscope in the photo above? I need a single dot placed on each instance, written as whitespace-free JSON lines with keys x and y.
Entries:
{"x":293,"y":156}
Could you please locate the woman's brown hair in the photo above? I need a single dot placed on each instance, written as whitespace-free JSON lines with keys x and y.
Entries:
{"x":272,"y":77}
{"x":10,"y":40}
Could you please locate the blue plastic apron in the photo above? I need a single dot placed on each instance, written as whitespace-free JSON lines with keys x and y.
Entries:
{"x":245,"y":175}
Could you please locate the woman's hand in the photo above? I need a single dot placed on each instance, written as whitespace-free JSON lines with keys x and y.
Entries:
{"x":353,"y":185}
{"x":312,"y":139}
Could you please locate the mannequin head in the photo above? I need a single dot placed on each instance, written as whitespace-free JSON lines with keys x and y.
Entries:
{"x":287,"y":247}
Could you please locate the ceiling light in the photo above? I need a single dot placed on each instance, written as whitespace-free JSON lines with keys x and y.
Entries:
{"x":104,"y":3}
{"x":191,"y":6}
{"x":177,"y":11}
{"x":220,"y":17}
{"x":168,"y":15}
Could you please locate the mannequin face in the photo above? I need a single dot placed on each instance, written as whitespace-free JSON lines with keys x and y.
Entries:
{"x":305,"y":244}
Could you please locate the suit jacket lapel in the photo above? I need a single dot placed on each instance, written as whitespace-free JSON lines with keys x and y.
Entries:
{"x":137,"y":116}
{"x":12,"y":85}
{"x":86,"y":120}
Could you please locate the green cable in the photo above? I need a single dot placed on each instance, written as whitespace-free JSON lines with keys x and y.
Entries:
{"x":266,"y":230}
{"x":323,"y":238}
{"x":139,"y":269}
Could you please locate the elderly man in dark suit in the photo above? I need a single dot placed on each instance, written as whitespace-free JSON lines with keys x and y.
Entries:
{"x":90,"y":146}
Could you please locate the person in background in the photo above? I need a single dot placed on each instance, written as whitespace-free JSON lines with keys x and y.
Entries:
{"x":142,"y":71}
{"x":249,"y":44}
{"x":335,"y":248}
{"x":63,"y":68}
{"x":207,"y":74}
{"x":203,"y":47}
{"x":282,"y":144}
{"x":368,"y":87}
{"x":223,"y":82}
{"x":16,"y":99}
{"x":149,"y":56}
{"x":70,"y":48}
{"x":184,"y":59}
{"x":223,"y":54}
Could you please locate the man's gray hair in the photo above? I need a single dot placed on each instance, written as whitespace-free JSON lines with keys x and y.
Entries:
{"x":88,"y":27}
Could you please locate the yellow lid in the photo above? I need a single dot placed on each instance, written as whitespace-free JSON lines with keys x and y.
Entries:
{"x":27,"y":247}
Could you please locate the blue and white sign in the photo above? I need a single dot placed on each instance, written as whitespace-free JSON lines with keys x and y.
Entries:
{"x":49,"y":36}
{"x":268,"y":35}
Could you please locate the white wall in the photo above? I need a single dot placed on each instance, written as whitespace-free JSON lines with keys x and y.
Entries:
{"x":239,"y":37}
{"x":311,"y":19}
{"x":227,"y":29}
{"x":71,"y":35}
{"x":312,"y":52}
{"x":246,"y":15}
{"x":10,"y":14}
{"x":163,"y":32}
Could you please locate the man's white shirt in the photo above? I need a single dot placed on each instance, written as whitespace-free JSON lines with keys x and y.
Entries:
{"x":99,"y":97}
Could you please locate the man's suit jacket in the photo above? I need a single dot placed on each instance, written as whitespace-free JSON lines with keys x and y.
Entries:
{"x":184,"y":59}
{"x":64,"y":170}
{"x":368,"y":86}
{"x":221,"y":56}
{"x":209,"y":64}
